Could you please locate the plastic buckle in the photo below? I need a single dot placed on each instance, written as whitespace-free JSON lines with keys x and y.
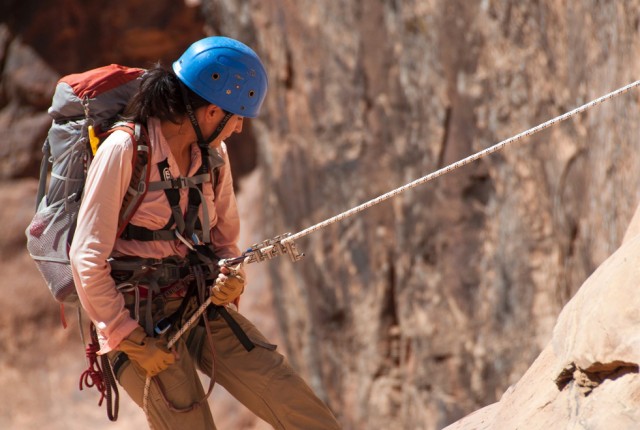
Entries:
{"x":182,"y":239}
{"x":180,"y":182}
{"x":162,"y":326}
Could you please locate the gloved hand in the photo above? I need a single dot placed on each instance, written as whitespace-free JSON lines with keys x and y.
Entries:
{"x":228,"y":286}
{"x":149,"y":353}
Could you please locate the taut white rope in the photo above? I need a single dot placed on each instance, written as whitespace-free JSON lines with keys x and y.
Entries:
{"x":460,"y":163}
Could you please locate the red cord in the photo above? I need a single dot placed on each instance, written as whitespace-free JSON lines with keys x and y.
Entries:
{"x":92,"y":377}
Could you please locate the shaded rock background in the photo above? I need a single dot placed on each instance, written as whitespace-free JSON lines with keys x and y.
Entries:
{"x":422,"y":309}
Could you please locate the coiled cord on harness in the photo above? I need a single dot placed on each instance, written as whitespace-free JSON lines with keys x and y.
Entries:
{"x":100,"y":376}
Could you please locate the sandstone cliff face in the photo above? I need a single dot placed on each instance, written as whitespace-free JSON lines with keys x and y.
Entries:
{"x":427,"y":307}
{"x":587,"y":376}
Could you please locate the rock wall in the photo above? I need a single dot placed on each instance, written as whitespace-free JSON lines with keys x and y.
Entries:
{"x":422,"y":309}
{"x":587,"y":376}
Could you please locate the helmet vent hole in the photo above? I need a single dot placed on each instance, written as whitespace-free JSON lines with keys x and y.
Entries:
{"x":215,"y":76}
{"x":252,"y":93}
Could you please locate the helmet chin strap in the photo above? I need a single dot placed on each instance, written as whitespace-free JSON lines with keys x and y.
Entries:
{"x":202,"y":142}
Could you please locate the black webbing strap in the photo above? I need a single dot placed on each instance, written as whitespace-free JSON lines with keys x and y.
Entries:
{"x":233,"y":325}
{"x":202,"y":143}
{"x":193,"y":207}
{"x":191,"y":114}
{"x":143,"y":234}
{"x":173,"y":196}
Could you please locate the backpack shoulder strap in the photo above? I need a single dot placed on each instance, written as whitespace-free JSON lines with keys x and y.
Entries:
{"x":140,"y":171}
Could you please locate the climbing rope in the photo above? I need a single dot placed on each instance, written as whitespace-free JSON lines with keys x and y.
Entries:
{"x":284,"y":244}
{"x":463,"y":162}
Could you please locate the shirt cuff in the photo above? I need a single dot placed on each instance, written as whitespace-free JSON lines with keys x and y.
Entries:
{"x":112,"y":342}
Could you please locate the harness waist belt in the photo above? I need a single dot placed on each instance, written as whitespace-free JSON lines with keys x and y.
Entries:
{"x":163,"y":272}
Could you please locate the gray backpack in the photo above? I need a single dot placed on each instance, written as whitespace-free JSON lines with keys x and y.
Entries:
{"x":84,"y":109}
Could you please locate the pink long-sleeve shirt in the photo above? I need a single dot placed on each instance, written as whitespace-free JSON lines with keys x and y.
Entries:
{"x":95,"y":236}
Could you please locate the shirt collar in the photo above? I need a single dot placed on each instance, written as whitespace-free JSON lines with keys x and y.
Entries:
{"x":161,"y":149}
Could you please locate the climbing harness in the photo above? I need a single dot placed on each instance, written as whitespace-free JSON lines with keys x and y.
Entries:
{"x":285,"y":243}
{"x":152,"y":282}
{"x":207,"y":311}
{"x":213,"y":312}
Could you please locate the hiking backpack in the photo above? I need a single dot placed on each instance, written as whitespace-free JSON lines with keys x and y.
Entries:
{"x":84,"y":109}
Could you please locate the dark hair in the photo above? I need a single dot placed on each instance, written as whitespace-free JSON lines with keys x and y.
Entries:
{"x":160,"y":96}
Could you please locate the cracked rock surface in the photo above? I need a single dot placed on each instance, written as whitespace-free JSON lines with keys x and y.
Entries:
{"x":587,"y":376}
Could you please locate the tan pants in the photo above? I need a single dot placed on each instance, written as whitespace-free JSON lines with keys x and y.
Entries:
{"x":261,"y":379}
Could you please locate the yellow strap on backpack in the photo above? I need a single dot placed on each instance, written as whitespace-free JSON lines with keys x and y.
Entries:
{"x":94,"y":141}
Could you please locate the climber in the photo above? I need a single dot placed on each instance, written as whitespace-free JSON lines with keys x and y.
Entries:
{"x":140,"y":287}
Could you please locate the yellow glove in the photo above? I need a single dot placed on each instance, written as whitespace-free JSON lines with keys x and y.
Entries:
{"x":149,"y":353}
{"x":228,"y":286}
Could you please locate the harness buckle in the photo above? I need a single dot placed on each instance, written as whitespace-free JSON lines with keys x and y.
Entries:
{"x":179,"y":182}
{"x":184,"y":240}
{"x":162,"y":326}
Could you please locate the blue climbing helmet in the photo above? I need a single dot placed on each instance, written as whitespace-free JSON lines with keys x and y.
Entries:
{"x":226,"y":73}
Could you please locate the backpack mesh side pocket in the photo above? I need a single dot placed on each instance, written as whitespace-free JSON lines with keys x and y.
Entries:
{"x":48,"y":243}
